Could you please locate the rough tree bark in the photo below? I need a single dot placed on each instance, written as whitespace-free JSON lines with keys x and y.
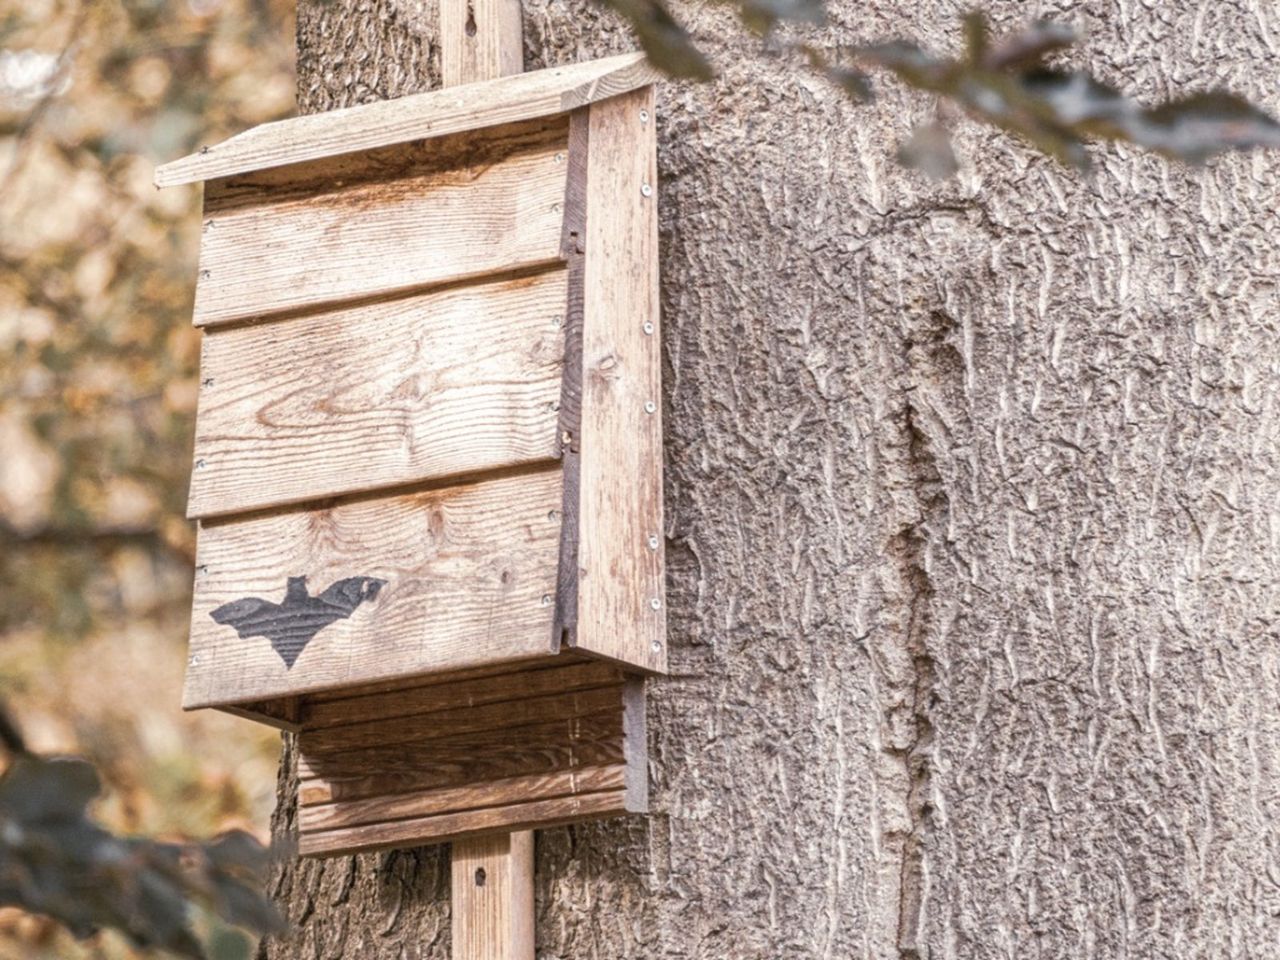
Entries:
{"x":974,"y":506}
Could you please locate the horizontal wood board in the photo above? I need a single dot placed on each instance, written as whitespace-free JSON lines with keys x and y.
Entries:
{"x":448,"y":382}
{"x":539,"y":93}
{"x":621,"y":601}
{"x":419,"y":582}
{"x":492,"y":204}
{"x":530,"y":761}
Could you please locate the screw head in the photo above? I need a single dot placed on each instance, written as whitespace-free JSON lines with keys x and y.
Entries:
{"x":650,"y":406}
{"x":546,"y":599}
{"x":656,"y":647}
{"x":653,"y":541}
{"x":655,"y":603}
{"x":200,"y":464}
{"x":646,"y":190}
{"x":644,"y":116}
{"x":556,"y":321}
{"x":553,"y":515}
{"x":648,"y":328}
{"x":559,"y":158}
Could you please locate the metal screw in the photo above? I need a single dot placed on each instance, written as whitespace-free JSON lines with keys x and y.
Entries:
{"x":650,"y":406}
{"x":559,"y":158}
{"x":648,"y":328}
{"x":556,"y":321}
{"x":200,"y":464}
{"x":546,"y":599}
{"x":655,"y":603}
{"x":207,"y":382}
{"x":653,"y":541}
{"x":553,"y":406}
{"x":555,"y":208}
{"x":553,"y":515}
{"x":656,"y":647}
{"x":644,"y":116}
{"x":646,"y":190}
{"x":195,"y":661}
{"x":205,"y":274}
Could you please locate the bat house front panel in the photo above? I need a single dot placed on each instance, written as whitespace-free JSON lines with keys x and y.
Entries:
{"x":440,"y":383}
{"x":368,"y":589}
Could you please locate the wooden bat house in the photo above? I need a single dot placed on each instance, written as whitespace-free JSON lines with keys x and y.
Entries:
{"x":428,"y":462}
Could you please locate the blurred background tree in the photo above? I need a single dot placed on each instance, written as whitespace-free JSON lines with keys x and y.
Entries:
{"x":97,"y":390}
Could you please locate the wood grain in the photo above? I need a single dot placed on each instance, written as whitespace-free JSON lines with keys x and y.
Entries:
{"x":469,"y":570}
{"x":469,"y":823}
{"x":279,"y":251}
{"x":457,"y":722}
{"x":492,"y":885}
{"x":458,"y":693}
{"x":472,"y":106}
{"x":621,"y":603}
{"x":480,"y":40}
{"x":434,"y":385}
{"x":446,"y":771}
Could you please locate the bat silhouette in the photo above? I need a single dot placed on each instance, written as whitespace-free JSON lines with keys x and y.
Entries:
{"x":291,"y":625}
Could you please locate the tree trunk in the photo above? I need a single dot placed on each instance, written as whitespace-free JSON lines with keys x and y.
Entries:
{"x":973,"y":495}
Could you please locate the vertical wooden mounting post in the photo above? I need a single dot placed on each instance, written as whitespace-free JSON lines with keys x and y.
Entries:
{"x":492,"y":877}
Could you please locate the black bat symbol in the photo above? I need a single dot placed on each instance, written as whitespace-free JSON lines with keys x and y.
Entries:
{"x":291,"y":625}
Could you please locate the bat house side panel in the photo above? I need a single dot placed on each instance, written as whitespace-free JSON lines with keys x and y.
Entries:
{"x":621,"y":611}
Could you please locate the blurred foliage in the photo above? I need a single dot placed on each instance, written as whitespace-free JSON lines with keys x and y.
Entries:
{"x":97,"y":393}
{"x":55,"y":861}
{"x":1007,"y":84}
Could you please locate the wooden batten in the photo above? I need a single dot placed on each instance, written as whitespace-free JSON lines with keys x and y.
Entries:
{"x":523,"y":759}
{"x":420,"y":582}
{"x":456,"y":381}
{"x":494,"y":206}
{"x":428,"y":458}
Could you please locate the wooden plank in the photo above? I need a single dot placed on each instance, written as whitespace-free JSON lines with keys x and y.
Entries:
{"x":480,"y":40}
{"x":473,"y":106}
{"x":471,"y":757}
{"x":499,"y":791}
{"x":470,"y":823}
{"x":376,"y":734}
{"x":467,"y":575}
{"x":495,"y":208}
{"x":430,"y":386}
{"x":621,"y":603}
{"x":492,"y":882}
{"x":463,"y":693}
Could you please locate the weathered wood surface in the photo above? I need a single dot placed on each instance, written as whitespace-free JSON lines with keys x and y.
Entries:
{"x":443,"y":693}
{"x":453,"y":770}
{"x":467,"y":578}
{"x":362,"y":398}
{"x":494,"y":206}
{"x":621,"y":602}
{"x":493,"y":898}
{"x":482,"y":40}
{"x":473,"y":106}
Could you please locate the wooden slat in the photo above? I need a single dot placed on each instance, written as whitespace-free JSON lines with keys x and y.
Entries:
{"x":473,"y":106}
{"x":499,"y":791}
{"x":481,"y":40}
{"x":378,"y":734}
{"x":469,"y":823}
{"x":496,"y":206}
{"x":446,"y":773}
{"x":621,"y":603}
{"x":459,"y":758}
{"x":463,"y":693}
{"x":492,"y":884}
{"x":457,"y":381}
{"x":469,"y":574}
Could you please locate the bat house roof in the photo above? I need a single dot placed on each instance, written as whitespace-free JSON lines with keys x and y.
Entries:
{"x":422,"y":116}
